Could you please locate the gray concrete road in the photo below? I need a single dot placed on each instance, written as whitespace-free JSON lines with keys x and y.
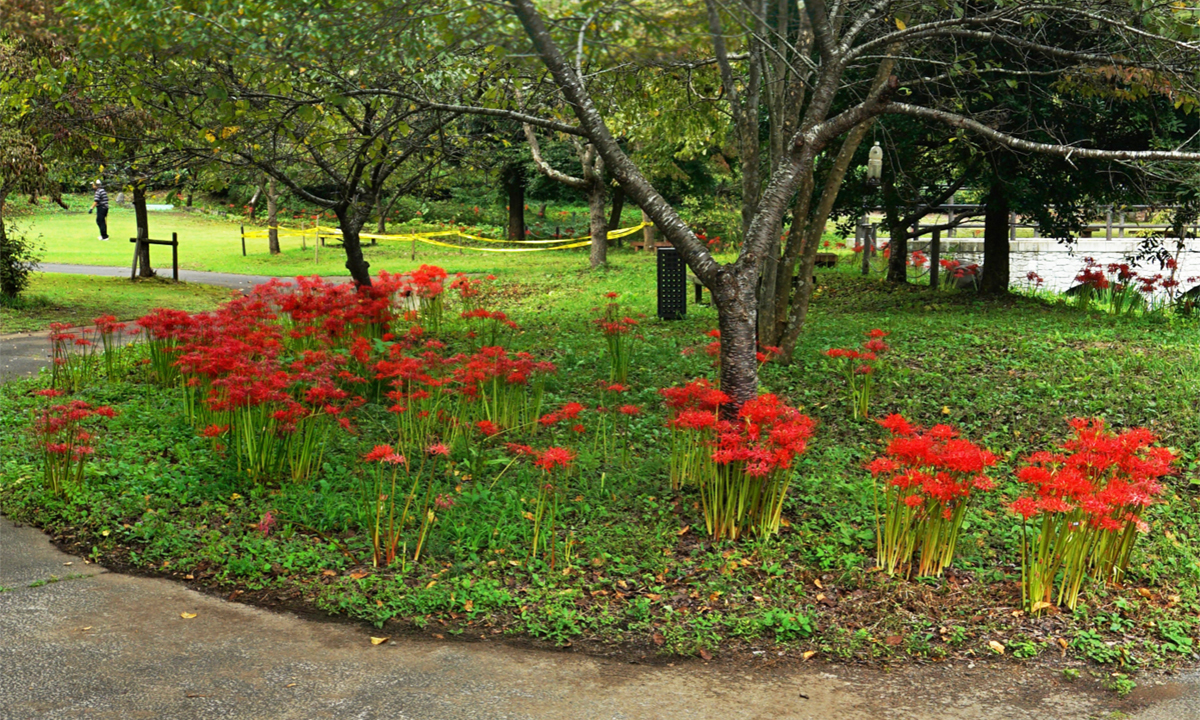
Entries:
{"x":229,"y":280}
{"x":104,"y":645}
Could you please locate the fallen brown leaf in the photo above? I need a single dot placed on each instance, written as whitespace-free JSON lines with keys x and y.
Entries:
{"x":359,"y":574}
{"x":683,"y":530}
{"x":893,"y":640}
{"x":1145,"y":593}
{"x":658,"y":638}
{"x":706,"y":655}
{"x":996,"y":647}
{"x":329,"y":573}
{"x":808,"y":653}
{"x":379,"y":640}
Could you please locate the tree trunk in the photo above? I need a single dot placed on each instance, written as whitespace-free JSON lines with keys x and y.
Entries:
{"x":995,"y":240}
{"x":350,"y":221}
{"x":618,"y":206}
{"x":597,"y":194}
{"x":514,"y":183}
{"x":254,"y":200}
{"x":143,"y":227}
{"x":736,"y":301}
{"x":272,"y":217}
{"x":898,"y":254}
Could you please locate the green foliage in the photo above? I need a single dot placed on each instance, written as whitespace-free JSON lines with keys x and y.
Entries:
{"x":18,"y":257}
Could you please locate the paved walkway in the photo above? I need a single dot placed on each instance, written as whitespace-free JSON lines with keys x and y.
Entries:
{"x":229,"y":280}
{"x":104,"y":645}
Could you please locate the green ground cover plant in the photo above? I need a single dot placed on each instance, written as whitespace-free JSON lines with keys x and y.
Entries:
{"x":596,"y":548}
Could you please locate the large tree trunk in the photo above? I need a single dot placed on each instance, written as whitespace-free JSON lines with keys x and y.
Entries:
{"x":898,"y":254}
{"x":143,"y":227}
{"x":350,"y":221}
{"x":736,"y":301}
{"x":995,"y":240}
{"x":618,"y":206}
{"x":598,"y":222}
{"x":272,"y":217}
{"x":514,"y":183}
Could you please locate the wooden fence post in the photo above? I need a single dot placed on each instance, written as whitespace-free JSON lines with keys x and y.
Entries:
{"x":242,"y":228}
{"x":175,"y":256}
{"x":1108,"y":223}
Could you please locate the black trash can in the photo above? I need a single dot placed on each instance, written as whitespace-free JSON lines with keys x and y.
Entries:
{"x":672,"y":284}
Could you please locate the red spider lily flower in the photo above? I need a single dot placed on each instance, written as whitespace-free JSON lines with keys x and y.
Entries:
{"x":50,"y":393}
{"x":215,"y":430}
{"x":487,"y":427}
{"x":630,"y":410}
{"x":578,"y":428}
{"x":616,"y":388}
{"x":443,"y":501}
{"x":518,"y":449}
{"x":438,"y":449}
{"x":554,"y":457}
{"x":611,"y":295}
{"x":378,"y":453}
{"x":877,"y":333}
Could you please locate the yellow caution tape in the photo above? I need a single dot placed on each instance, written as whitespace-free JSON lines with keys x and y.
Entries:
{"x":428,"y":238}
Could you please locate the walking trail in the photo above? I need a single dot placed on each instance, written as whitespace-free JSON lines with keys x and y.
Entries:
{"x":79,"y":641}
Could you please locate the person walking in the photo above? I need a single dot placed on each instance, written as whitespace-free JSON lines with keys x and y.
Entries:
{"x":100,"y":205}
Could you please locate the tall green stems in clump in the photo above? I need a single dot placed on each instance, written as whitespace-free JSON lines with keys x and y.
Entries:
{"x":64,"y":440}
{"x":859,"y":368}
{"x":73,"y":357}
{"x":1082,"y":513}
{"x":164,"y":328}
{"x":111,"y":333}
{"x":619,"y":334}
{"x":555,"y":466}
{"x":928,"y":479}
{"x":693,"y":418}
{"x":380,"y":503}
{"x":427,"y":282}
{"x":743,"y":466}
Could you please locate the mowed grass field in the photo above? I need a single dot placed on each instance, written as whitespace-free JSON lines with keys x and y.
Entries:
{"x":214,"y":244}
{"x":78,"y":299}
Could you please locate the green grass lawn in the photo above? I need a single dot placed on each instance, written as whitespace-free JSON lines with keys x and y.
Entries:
{"x":76,"y":299}
{"x":1007,"y":373}
{"x":214,"y":244}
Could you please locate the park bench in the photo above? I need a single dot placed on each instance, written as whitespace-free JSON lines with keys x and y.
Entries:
{"x":640,"y":245}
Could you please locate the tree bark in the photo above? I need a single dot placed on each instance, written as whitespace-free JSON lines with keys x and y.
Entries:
{"x":254,"y":200}
{"x":272,"y":217}
{"x":143,"y":227}
{"x":597,"y":220}
{"x":618,"y":206}
{"x":514,"y":183}
{"x":350,"y":221}
{"x":995,"y":240}
{"x":736,"y":301}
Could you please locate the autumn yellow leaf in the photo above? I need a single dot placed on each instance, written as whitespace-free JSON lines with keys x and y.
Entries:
{"x":996,"y":647}
{"x":379,"y":640}
{"x":187,"y":615}
{"x":468,"y":606}
{"x":808,"y":653}
{"x":1041,"y":605}
{"x":359,"y":574}
{"x":683,"y":530}
{"x":900,"y":24}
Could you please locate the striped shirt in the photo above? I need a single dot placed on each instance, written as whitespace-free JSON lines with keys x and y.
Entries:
{"x":101,"y":198}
